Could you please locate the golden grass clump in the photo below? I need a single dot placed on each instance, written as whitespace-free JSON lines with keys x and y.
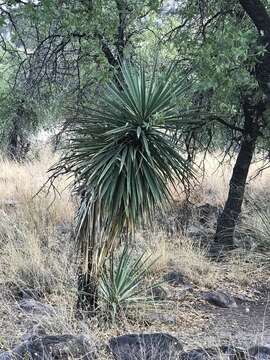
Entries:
{"x":36,"y":252}
{"x":29,"y":225}
{"x":184,"y":255}
{"x":215,"y":176}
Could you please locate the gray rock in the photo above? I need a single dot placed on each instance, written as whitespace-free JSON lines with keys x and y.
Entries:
{"x":35,"y":307}
{"x":52,"y":347}
{"x":175,"y":278}
{"x":200,"y":354}
{"x":219,"y":353}
{"x":219,"y":298}
{"x":259,"y":352}
{"x":154,"y":346}
{"x":179,"y":294}
{"x":157,"y":293}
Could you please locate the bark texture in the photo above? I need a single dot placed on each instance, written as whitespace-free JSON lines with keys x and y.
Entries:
{"x":253,"y":121}
{"x":226,"y":223}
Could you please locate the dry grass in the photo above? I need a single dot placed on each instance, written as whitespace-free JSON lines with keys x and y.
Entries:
{"x":240,"y":271}
{"x":29,"y":230}
{"x":29,"y":225}
{"x":184,"y":255}
{"x":214,"y":184}
{"x":20,"y":182}
{"x":35,"y":252}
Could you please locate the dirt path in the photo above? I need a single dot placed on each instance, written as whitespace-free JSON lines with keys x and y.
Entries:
{"x":244,"y":326}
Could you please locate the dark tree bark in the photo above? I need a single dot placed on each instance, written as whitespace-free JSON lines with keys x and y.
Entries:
{"x":115,"y":58}
{"x":18,"y":144}
{"x":261,"y":19}
{"x":227,"y":220}
{"x":253,"y":114}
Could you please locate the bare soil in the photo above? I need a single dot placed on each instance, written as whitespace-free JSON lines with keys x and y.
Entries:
{"x":244,"y":326}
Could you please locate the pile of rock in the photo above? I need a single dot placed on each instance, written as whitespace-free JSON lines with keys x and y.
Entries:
{"x":155,"y":346}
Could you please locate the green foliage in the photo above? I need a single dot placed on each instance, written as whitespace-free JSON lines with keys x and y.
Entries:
{"x":220,"y":43}
{"x":122,"y":282}
{"x":18,"y":113}
{"x":124,"y":159}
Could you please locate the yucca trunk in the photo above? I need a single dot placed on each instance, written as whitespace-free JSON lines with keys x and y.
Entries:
{"x":87,"y":238}
{"x":87,"y":300}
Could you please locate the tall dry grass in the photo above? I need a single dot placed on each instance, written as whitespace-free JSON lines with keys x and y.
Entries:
{"x":34,"y":230}
{"x":215,"y":174}
{"x":36,"y":249}
{"x":30,"y":224}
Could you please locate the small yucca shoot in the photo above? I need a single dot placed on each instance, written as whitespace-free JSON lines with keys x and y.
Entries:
{"x":122,"y":281}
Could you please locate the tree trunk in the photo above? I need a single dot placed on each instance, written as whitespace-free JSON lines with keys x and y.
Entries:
{"x":18,"y":145}
{"x":253,"y":114}
{"x":12,"y":148}
{"x":224,"y":239}
{"x":260,"y":17}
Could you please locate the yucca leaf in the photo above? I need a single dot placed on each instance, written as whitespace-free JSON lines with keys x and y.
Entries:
{"x":123,"y":158}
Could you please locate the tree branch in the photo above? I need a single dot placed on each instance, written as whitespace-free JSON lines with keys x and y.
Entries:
{"x":258,"y":14}
{"x":225,"y":123}
{"x":261,"y":19}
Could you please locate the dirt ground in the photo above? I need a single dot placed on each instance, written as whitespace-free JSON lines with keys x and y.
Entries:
{"x":244,"y":326}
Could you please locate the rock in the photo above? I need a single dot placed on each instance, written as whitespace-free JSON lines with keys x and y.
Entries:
{"x":154,"y":346}
{"x":219,"y":353}
{"x":35,"y":307}
{"x":174,"y":278}
{"x":52,"y":347}
{"x":157,"y":293}
{"x":219,"y":298}
{"x":200,"y":354}
{"x":13,"y":290}
{"x":259,"y":352}
{"x":179,"y":294}
{"x":29,"y":293}
{"x":233,"y":353}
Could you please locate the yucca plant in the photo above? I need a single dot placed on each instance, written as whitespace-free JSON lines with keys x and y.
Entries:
{"x":125,"y":163}
{"x":257,"y":226}
{"x":121,"y":282}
